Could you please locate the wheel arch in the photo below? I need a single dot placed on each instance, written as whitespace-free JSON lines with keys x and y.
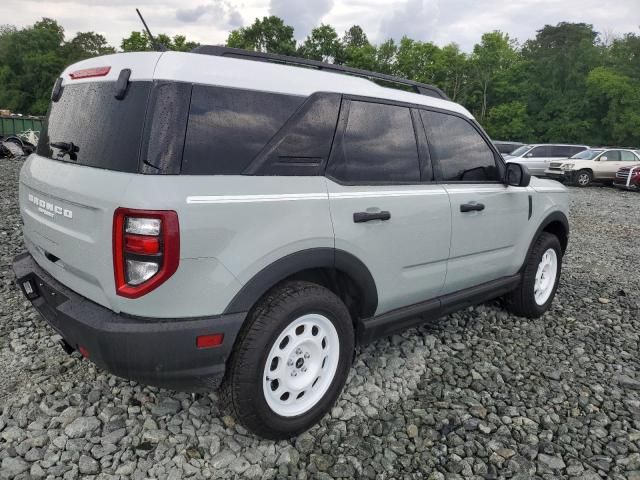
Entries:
{"x":555,"y":223}
{"x":340,"y":271}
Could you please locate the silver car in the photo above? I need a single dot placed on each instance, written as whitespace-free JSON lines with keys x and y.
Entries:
{"x":203,"y":220}
{"x":537,"y":157}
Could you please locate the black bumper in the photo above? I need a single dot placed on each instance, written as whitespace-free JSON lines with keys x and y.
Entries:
{"x":159,"y":352}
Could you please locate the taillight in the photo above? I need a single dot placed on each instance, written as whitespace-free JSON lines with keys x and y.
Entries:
{"x":90,"y":72}
{"x":146,"y":249}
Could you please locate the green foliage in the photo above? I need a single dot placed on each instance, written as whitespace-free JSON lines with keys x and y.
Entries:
{"x":269,"y":35}
{"x":322,"y":44}
{"x":564,"y":85}
{"x":508,"y":121}
{"x":140,"y":42}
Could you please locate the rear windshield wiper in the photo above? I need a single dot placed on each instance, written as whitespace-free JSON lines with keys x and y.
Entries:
{"x":66,"y":148}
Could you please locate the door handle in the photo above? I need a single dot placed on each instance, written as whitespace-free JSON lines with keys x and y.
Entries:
{"x":472,"y":207}
{"x":360,"y":217}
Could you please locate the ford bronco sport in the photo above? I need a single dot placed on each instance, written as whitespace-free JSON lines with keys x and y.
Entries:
{"x":235,"y":219}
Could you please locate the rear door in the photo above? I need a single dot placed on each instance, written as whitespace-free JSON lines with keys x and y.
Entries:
{"x":385,"y":207}
{"x":488,"y":218}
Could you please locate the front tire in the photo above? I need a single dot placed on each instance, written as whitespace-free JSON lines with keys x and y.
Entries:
{"x":291,"y":360}
{"x":583,"y":178}
{"x":540,"y":279}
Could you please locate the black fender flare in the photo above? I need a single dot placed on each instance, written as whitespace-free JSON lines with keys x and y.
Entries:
{"x":556,"y":216}
{"x":293,"y":263}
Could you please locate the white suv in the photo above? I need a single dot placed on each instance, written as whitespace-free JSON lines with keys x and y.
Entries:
{"x":197,"y":219}
{"x":537,"y":158}
{"x":600,"y":164}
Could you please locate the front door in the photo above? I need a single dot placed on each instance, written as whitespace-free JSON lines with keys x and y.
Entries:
{"x":488,"y":218}
{"x":384,"y":207}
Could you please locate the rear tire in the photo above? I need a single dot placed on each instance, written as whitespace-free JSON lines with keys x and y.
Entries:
{"x":290,"y":361}
{"x":583,"y":178}
{"x":540,"y":278}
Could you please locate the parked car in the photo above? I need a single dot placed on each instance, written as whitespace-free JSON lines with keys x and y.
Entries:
{"x":628,"y":178}
{"x":538,"y":157}
{"x":192,"y":219}
{"x":599,"y":164}
{"x":505,"y":148}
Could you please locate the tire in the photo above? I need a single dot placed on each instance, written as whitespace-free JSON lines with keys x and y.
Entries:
{"x":523,"y":300}
{"x":324,"y":344}
{"x":583,"y":178}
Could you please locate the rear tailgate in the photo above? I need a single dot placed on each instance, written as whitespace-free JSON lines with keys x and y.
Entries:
{"x":88,"y":153}
{"x":68,"y":219}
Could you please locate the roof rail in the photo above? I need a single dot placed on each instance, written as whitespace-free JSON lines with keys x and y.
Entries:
{"x":421,"y":88}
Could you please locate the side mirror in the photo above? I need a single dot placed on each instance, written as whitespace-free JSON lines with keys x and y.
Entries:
{"x":529,"y":155}
{"x":517,"y":175}
{"x":603,"y":159}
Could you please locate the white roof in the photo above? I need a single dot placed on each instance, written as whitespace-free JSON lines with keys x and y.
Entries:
{"x":247,"y":74}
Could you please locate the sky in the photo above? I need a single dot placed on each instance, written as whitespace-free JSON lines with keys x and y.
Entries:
{"x":439,"y":21}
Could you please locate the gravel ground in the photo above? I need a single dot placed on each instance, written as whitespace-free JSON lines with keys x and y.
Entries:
{"x":479,"y":394}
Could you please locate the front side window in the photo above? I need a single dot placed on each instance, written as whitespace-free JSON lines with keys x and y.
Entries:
{"x":589,"y":154}
{"x":462,"y":153}
{"x":518,"y":152}
{"x":378,"y":145}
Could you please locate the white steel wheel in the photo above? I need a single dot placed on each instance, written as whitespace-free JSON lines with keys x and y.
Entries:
{"x":546,"y":276}
{"x":301,"y":365}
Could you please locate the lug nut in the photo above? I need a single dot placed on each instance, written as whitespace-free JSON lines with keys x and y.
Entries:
{"x":306,"y":355}
{"x":304,"y":369}
{"x":294,"y":374}
{"x":298,"y":351}
{"x":290,"y":363}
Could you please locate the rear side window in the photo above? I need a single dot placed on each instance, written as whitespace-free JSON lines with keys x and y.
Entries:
{"x":378,"y":145}
{"x":560,"y":151}
{"x":461,"y":152}
{"x":228,"y":127}
{"x":303,"y":145}
{"x":627,"y":156}
{"x":541,"y":152}
{"x":89,"y":126}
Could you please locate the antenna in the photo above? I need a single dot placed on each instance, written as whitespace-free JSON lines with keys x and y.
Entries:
{"x":158,"y":46}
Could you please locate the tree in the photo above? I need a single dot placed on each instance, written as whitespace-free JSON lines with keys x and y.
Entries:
{"x":140,"y":42}
{"x":30,"y":61}
{"x":355,"y":37}
{"x":494,"y":55}
{"x":269,"y":35}
{"x":416,"y":60}
{"x":619,"y":98}
{"x":508,"y":121}
{"x":322,"y":44}
{"x":451,"y":71}
{"x":87,"y":45}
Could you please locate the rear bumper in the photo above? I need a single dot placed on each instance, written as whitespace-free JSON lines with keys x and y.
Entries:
{"x":159,"y":352}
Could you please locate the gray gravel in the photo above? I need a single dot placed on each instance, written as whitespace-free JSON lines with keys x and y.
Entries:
{"x":480,"y":394}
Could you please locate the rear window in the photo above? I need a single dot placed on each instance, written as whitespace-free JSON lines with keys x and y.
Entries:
{"x":89,"y":126}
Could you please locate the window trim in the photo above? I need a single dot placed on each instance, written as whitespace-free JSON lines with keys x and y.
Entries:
{"x":498,"y":159}
{"x":338,"y":141}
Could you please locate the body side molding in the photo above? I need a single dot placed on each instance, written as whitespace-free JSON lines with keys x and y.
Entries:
{"x":368,"y":329}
